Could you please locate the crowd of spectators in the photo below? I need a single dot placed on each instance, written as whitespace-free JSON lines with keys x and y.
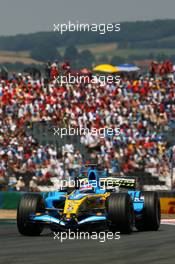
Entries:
{"x":140,"y":108}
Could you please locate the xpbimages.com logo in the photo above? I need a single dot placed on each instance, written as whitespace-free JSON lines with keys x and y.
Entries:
{"x":93,"y":79}
{"x":100,"y":236}
{"x":83,"y":27}
{"x":100,"y":132}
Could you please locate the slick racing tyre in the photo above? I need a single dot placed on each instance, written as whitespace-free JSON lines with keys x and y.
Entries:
{"x":151,"y":213}
{"x":120,"y":213}
{"x":29,"y":204}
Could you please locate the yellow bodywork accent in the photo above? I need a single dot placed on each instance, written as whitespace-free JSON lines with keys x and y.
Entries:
{"x":84,"y":204}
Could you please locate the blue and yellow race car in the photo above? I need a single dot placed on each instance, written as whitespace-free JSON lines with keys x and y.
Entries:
{"x":96,"y":201}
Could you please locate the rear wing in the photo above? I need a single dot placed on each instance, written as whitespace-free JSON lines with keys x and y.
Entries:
{"x":118,"y":181}
{"x":110,"y":182}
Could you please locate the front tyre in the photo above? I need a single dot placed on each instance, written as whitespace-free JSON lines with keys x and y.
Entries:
{"x":29,"y":204}
{"x":120,"y":212}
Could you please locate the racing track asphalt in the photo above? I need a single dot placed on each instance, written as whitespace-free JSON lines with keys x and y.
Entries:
{"x":139,"y":247}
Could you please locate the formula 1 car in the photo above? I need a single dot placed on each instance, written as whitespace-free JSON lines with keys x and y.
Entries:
{"x":110,"y":201}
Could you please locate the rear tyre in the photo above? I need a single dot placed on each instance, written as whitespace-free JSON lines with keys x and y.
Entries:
{"x":28,"y":205}
{"x":120,"y":213}
{"x":151,"y":213}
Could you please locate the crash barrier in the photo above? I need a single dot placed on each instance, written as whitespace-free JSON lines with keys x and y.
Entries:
{"x":167,"y":205}
{"x":167,"y":202}
{"x":9,"y":200}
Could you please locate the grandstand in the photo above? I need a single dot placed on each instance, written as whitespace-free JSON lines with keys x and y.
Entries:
{"x":143,"y":110}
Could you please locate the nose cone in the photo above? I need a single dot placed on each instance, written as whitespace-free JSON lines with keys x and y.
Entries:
{"x":70,"y":221}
